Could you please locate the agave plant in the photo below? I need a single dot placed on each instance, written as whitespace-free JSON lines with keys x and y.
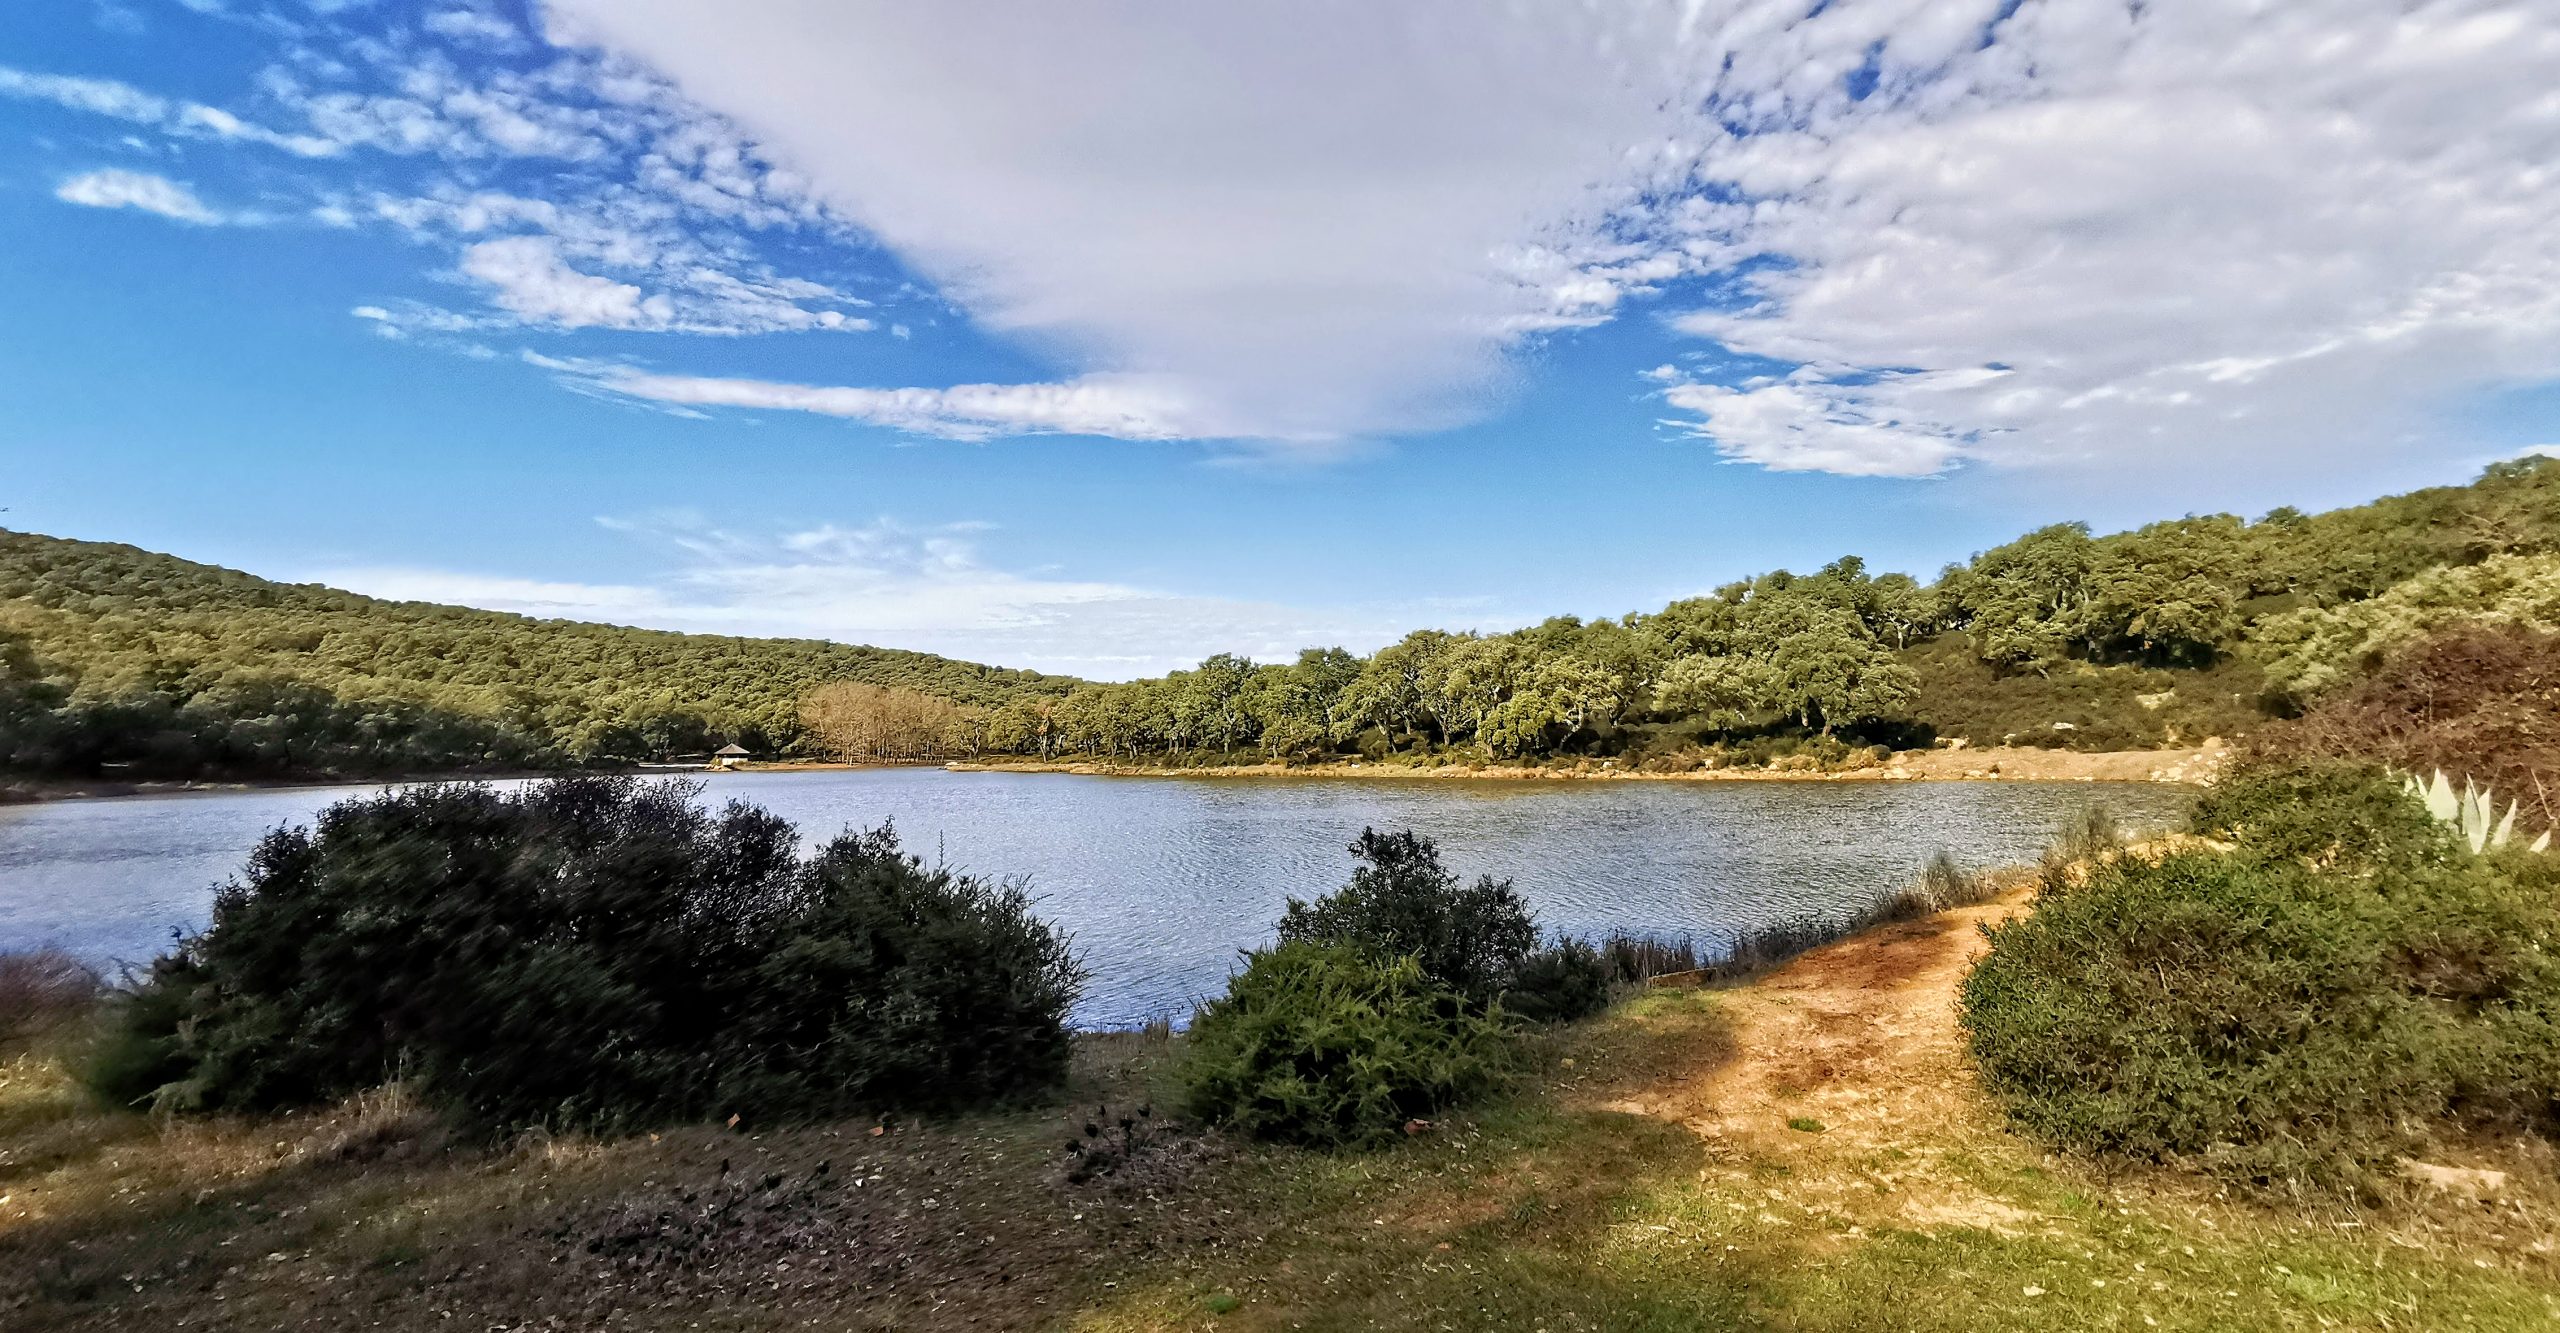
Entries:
{"x":2473,"y":814}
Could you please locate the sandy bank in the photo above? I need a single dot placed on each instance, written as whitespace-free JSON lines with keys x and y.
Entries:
{"x":2197,"y":764}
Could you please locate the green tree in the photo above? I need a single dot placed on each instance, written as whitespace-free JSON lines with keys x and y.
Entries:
{"x":1212,"y":700}
{"x":1388,"y":692}
{"x":2171,"y":591}
{"x":1472,"y":679}
{"x":2028,"y":602}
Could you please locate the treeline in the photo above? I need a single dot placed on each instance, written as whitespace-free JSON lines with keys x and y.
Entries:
{"x":2059,"y":637}
{"x":114,"y":658}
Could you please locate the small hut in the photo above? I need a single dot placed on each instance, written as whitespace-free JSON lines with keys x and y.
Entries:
{"x":730,"y":756}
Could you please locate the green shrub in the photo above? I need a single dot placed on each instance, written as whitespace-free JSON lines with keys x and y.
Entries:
{"x":1566,"y":981}
{"x":2106,"y":707}
{"x":1330,"y":1044}
{"x":594,"y":952}
{"x":895,"y":980}
{"x":2342,"y":816}
{"x":1403,"y":902}
{"x":2285,"y":1025}
{"x":2310,"y":652}
{"x":136,"y":1052}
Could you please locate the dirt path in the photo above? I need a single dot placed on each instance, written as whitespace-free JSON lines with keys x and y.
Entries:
{"x":1847,"y":1070}
{"x":1845,"y":1092}
{"x":1860,"y":1034}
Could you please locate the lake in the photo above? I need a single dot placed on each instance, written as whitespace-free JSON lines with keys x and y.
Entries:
{"x":1162,"y":880}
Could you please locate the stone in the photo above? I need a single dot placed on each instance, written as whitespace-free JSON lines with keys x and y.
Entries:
{"x":2469,"y":1182}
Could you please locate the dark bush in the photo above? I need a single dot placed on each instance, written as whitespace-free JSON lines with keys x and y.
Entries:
{"x":1566,"y":981}
{"x":595,"y":952}
{"x":939,"y":988}
{"x":1331,"y":1044}
{"x":2289,"y":1024}
{"x":2478,"y":701}
{"x":1403,"y":902}
{"x":136,"y":1052}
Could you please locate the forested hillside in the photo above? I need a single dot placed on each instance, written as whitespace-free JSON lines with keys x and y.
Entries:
{"x":2173,"y":632}
{"x":112,"y":658}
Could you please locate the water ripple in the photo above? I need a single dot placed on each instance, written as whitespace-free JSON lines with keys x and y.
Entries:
{"x":1162,"y":880}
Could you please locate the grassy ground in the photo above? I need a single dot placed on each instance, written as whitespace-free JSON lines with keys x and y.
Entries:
{"x":1800,"y":1153}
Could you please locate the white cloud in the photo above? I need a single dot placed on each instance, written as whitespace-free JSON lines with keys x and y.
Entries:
{"x":123,"y":101}
{"x":648,"y":238}
{"x":1118,"y":406}
{"x":117,"y":188}
{"x":1804,"y":424}
{"x":895,"y":585}
{"x":474,"y":28}
{"x":221,"y":124}
{"x":1930,"y":231}
{"x":1320,"y":220}
{"x":103,"y":97}
{"x":531,"y":281}
{"x":2192,"y":235}
{"x":2063,"y":231}
{"x":537,"y":279}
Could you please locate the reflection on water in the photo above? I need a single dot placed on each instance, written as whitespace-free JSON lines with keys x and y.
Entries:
{"x":1162,"y":880}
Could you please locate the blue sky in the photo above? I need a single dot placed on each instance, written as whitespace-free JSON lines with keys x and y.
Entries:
{"x":1098,"y":338}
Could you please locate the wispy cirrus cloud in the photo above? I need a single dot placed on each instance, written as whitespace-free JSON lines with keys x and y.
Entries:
{"x":2114,"y":236}
{"x":1806,"y":423}
{"x":1116,"y":407}
{"x":117,"y":188}
{"x":475,"y":27}
{"x":123,"y":101}
{"x":656,"y":230}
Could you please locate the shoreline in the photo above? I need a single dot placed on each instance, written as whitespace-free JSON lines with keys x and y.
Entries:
{"x":2192,"y":765}
{"x":45,"y":791}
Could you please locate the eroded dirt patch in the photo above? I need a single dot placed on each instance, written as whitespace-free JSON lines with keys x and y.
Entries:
{"x":1846,"y":1073}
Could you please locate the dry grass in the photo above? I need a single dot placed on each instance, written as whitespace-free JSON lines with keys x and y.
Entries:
{"x":41,"y":990}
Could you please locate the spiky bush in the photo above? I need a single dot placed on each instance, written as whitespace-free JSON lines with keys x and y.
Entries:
{"x":2472,"y":814}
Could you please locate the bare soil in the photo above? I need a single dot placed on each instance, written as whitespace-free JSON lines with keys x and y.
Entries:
{"x":1847,"y":1076}
{"x":1848,"y":1073}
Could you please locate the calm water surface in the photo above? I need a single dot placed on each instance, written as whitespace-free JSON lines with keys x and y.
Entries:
{"x":1161,"y":880}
